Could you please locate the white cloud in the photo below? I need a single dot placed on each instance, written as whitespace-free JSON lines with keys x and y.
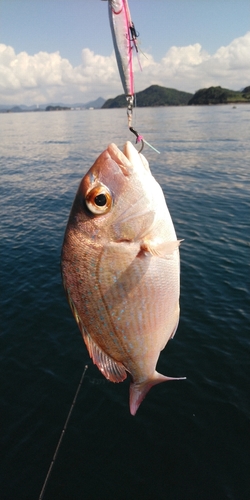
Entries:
{"x":47,"y":77}
{"x":190,"y":68}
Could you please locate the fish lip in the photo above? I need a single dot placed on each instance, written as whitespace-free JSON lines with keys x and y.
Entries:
{"x":121,"y":159}
{"x":129,"y":161}
{"x":130,"y":152}
{"x":139,"y":162}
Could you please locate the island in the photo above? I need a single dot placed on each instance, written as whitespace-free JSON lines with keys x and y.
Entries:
{"x":219,"y":95}
{"x":57,"y":108}
{"x":155,"y":95}
{"x":152,"y":96}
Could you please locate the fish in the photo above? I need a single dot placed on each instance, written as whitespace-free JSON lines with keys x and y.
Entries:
{"x":121,"y":269}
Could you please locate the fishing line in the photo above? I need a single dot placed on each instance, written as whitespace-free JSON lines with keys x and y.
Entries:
{"x":139,"y":137}
{"x":62,"y":434}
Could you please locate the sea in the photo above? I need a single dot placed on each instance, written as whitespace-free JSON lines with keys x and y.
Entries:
{"x":190,"y":440}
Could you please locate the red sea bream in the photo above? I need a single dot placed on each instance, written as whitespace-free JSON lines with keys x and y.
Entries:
{"x":121,"y":269}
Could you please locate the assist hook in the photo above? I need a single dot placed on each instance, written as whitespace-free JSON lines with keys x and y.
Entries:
{"x":139,"y":138}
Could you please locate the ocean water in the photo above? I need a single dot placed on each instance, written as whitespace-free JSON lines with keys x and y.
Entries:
{"x":190,"y":440}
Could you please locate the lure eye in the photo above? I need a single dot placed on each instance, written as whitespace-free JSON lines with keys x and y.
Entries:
{"x":99,"y":200}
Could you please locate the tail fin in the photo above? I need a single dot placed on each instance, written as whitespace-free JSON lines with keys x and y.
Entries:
{"x":139,"y":391}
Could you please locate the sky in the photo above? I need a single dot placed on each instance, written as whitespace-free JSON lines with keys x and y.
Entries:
{"x":62,"y":51}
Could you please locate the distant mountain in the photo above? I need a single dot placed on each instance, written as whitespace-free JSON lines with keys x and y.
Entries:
{"x":20,"y":107}
{"x":155,"y":95}
{"x":219,"y":95}
{"x":16,"y":109}
{"x":27,"y":108}
{"x":96,"y":104}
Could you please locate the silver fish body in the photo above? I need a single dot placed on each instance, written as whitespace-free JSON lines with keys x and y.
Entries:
{"x":121,"y":269}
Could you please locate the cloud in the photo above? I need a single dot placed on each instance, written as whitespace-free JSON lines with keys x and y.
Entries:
{"x":190,"y":68}
{"x":46,"y":77}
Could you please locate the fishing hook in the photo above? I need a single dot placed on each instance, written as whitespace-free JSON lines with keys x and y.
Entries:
{"x":139,"y":138}
{"x":134,"y":35}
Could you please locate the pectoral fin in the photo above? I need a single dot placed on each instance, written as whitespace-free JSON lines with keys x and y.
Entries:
{"x":163,"y":250}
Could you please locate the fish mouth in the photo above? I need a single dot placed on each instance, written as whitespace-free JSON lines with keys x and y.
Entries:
{"x":129,"y":160}
{"x":120,"y":159}
{"x":137,"y":159}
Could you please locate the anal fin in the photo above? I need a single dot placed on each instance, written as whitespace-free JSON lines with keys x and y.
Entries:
{"x":111,"y":369}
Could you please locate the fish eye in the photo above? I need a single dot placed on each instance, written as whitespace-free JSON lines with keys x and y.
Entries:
{"x":99,"y":199}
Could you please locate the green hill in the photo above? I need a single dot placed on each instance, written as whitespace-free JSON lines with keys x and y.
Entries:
{"x":155,"y":95}
{"x":56,"y":108}
{"x":219,"y":95}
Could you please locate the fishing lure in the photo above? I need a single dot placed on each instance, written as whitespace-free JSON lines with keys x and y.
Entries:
{"x":125,"y":40}
{"x":125,"y":37}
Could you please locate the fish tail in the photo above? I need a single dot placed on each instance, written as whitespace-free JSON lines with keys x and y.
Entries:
{"x":139,"y":391}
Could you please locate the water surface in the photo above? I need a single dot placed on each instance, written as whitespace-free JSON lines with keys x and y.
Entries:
{"x":189,"y":440}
